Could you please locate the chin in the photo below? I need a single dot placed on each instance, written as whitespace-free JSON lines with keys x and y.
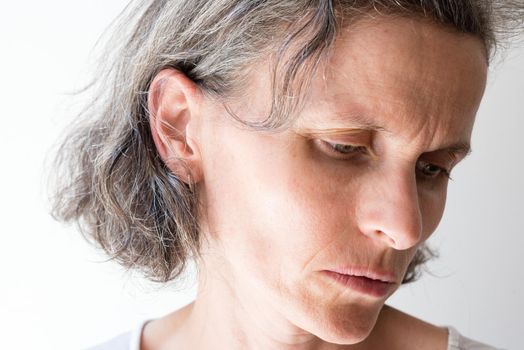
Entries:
{"x":344,"y":325}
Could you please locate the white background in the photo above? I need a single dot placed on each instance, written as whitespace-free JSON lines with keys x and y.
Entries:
{"x":55,"y":292}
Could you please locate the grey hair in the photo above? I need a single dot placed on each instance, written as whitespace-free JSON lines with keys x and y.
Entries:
{"x":110,"y":179}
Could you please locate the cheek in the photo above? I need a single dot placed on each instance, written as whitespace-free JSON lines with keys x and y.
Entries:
{"x":296,"y":215}
{"x":289,"y":211}
{"x":269,"y":205}
{"x":432,"y":204}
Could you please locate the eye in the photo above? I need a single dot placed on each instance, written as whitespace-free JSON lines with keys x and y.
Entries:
{"x":432,"y":171}
{"x":343,"y":149}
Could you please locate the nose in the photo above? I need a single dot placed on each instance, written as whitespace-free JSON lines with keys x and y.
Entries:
{"x":388,"y":209}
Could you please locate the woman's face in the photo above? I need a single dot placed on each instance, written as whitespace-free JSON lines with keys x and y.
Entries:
{"x":399,"y":97}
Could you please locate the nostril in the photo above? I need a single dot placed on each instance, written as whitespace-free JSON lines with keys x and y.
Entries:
{"x":393,"y":239}
{"x":390,"y":240}
{"x":382,"y":236}
{"x":407,"y":240}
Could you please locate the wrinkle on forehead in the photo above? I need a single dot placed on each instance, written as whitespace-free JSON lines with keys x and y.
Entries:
{"x":410,"y":76}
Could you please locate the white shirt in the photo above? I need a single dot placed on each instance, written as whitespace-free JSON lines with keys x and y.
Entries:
{"x":131,"y":341}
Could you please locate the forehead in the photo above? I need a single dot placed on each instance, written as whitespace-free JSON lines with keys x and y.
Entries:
{"x":400,"y":74}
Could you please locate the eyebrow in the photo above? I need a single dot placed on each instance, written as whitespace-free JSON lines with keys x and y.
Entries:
{"x":356,"y":121}
{"x":360,"y":123}
{"x":458,"y":150}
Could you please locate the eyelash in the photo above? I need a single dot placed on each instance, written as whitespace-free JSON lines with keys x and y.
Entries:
{"x":354,"y":149}
{"x":334,"y":147}
{"x":442,"y":171}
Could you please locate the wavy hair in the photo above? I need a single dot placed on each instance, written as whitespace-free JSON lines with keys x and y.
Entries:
{"x":110,"y":179}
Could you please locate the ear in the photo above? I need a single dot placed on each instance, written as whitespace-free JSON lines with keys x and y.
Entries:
{"x":173,"y":103}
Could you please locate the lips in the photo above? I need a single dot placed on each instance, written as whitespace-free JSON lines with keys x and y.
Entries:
{"x":369,"y":282}
{"x":371,"y":273}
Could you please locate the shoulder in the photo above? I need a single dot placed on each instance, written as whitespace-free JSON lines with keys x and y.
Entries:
{"x":167,"y":331}
{"x":414,"y":333}
{"x":125,"y":341}
{"x":408,"y":332}
{"x":459,"y":342}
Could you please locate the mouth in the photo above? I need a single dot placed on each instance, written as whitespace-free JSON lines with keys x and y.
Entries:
{"x":369,"y":283}
{"x":372,"y":274}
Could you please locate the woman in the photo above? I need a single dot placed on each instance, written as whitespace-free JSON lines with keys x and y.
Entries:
{"x":297,"y":151}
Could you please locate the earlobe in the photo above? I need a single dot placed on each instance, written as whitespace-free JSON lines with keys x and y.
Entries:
{"x":173,"y":101}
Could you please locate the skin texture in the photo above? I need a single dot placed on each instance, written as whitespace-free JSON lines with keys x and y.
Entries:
{"x":281,"y":208}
